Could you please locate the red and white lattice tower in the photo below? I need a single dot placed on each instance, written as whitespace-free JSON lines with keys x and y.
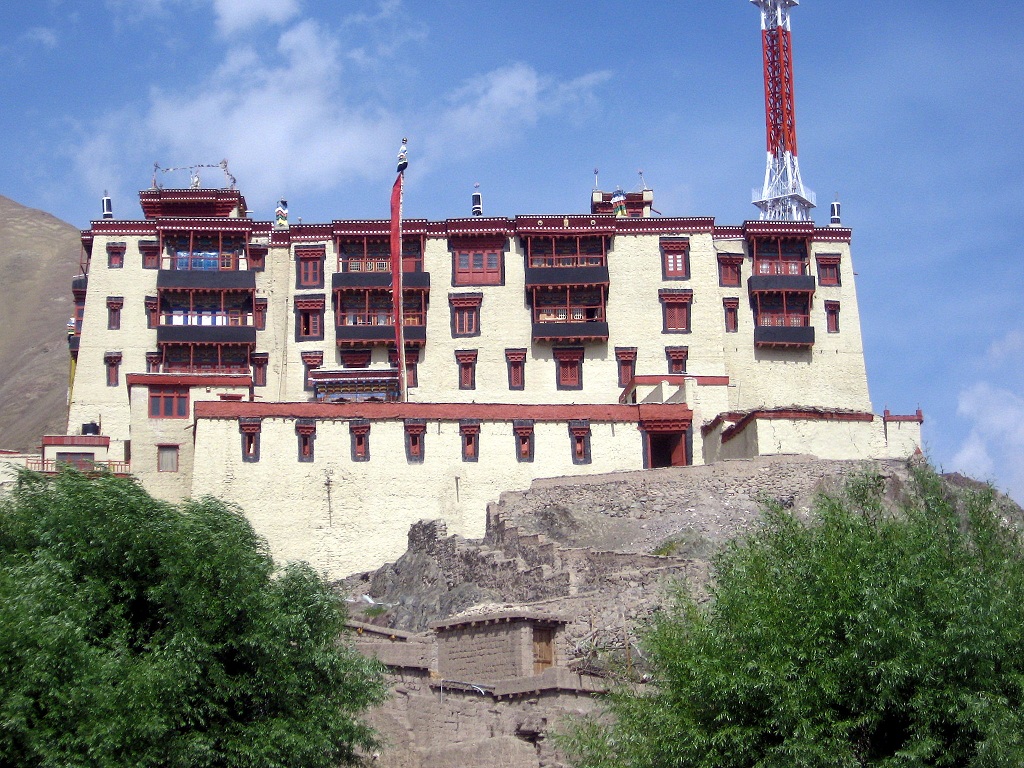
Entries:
{"x":783,"y":195}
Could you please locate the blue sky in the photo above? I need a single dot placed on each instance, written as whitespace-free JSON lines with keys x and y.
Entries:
{"x":910,"y":111}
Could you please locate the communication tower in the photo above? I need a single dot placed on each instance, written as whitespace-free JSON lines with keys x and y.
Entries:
{"x":783,"y":195}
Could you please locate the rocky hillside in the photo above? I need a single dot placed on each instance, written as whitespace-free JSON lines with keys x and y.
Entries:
{"x":39,"y":255}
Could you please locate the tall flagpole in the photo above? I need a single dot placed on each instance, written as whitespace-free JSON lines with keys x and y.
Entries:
{"x":397,"y":201}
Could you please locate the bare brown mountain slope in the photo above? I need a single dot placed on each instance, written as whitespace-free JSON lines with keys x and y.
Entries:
{"x":38,"y":257}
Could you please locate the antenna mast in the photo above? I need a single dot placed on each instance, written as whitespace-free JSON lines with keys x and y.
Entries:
{"x":783,"y":195}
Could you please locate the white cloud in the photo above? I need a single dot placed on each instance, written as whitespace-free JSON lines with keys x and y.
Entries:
{"x":994,"y":448}
{"x":240,"y":15}
{"x":41,"y":36}
{"x":1008,"y":348}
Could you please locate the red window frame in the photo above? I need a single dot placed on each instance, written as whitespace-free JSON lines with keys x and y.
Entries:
{"x":466,"y":358}
{"x":305,"y":430}
{"x":115,"y":255}
{"x":579,"y":431}
{"x":732,"y":314}
{"x":112,"y":361}
{"x":828,"y":270}
{"x":469,"y":429}
{"x":412,"y":359}
{"x":359,"y":429}
{"x":832,"y":316}
{"x":465,"y":308}
{"x":150,"y":255}
{"x":250,"y":429}
{"x":169,"y":402}
{"x":309,"y":318}
{"x":677,"y":357}
{"x":309,"y":267}
{"x":730,"y":271}
{"x":515,"y":361}
{"x":310,"y":361}
{"x":415,"y":430}
{"x":675,"y":311}
{"x":483,"y":266}
{"x":114,"y":304}
{"x":260,"y":361}
{"x":675,"y":258}
{"x":626,"y":357}
{"x":523,"y":430}
{"x":569,"y":368}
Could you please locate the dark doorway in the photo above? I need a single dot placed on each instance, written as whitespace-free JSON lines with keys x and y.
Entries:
{"x":666,"y":449}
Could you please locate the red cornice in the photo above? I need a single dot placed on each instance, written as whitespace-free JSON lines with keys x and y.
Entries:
{"x":114,"y":227}
{"x":221,"y":202}
{"x":188,"y":380}
{"x":628,"y":414}
{"x":917,"y":418}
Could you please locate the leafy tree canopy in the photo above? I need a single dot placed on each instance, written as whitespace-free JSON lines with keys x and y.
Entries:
{"x":137,"y":633}
{"x":862,"y":638}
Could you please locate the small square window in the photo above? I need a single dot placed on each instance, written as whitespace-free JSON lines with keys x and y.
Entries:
{"x":677,"y":357}
{"x":675,"y":258}
{"x":828,"y":270}
{"x":167,"y":458}
{"x":115,"y":255}
{"x":150,"y":254}
{"x":729,"y":270}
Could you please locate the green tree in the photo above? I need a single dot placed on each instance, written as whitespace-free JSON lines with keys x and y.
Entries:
{"x":137,"y":633}
{"x":864,"y":637}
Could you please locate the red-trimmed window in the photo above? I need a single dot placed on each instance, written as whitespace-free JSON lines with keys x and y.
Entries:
{"x":112,"y":360}
{"x":832,"y":316}
{"x":626,"y":358}
{"x":310,"y":361}
{"x":167,"y":458}
{"x":415,"y":431}
{"x":566,"y":251}
{"x":729,"y":270}
{"x":515,"y":360}
{"x":675,"y":307}
{"x":115,"y":255}
{"x":466,"y":358}
{"x":150,"y":251}
{"x":168,"y":402}
{"x":114,"y":304}
{"x":250,"y":429}
{"x":523,"y":430}
{"x":259,"y":314}
{"x":359,"y":430}
{"x":465,"y":309}
{"x":260,"y":361}
{"x":677,"y":358}
{"x":570,"y":367}
{"x":780,"y":255}
{"x":309,"y":267}
{"x":478,"y":260}
{"x":469,"y":429}
{"x":579,"y":432}
{"x":257,"y":257}
{"x":675,"y":258}
{"x":828,"y":269}
{"x":309,"y":318}
{"x":373,"y":254}
{"x":152,"y":312}
{"x":412,"y":359}
{"x":731,"y":306}
{"x":305,"y":430}
{"x":153,"y":362}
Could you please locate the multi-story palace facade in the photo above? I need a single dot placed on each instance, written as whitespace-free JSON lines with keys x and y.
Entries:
{"x":256,"y":360}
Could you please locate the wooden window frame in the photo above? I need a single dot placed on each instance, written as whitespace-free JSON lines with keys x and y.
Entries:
{"x":415,"y":435}
{"x":359,"y":434}
{"x":626,"y":359}
{"x":112,"y":362}
{"x":677,"y":357}
{"x":523,"y":429}
{"x":150,"y":252}
{"x":478,"y":260}
{"x":469,"y":430}
{"x":675,"y":310}
{"x":828,"y":270}
{"x":309,"y":267}
{"x":731,"y":310}
{"x":832,"y":317}
{"x":515,"y":364}
{"x":260,"y":362}
{"x":675,"y":258}
{"x":114,"y":305}
{"x":305,"y":432}
{"x":466,"y":359}
{"x":730,"y":271}
{"x":115,"y":255}
{"x":310,"y":362}
{"x":568,"y":368}
{"x":309,"y":318}
{"x":250,"y":427}
{"x":178,"y":398}
{"x":165,"y":449}
{"x":579,"y":434}
{"x":412,"y":359}
{"x":465,"y":310}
